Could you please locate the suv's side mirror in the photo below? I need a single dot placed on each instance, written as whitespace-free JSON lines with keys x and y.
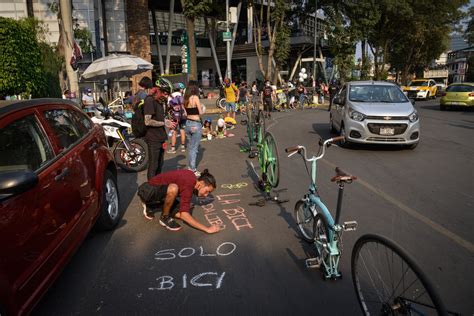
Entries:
{"x":16,"y":182}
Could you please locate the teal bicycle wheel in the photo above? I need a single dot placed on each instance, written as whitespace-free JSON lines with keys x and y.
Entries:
{"x":272,"y":165}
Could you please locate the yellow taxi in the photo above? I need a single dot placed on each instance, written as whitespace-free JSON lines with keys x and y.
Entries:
{"x":421,"y":89}
{"x":457,"y":94}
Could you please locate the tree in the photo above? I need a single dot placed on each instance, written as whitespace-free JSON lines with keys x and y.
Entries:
{"x":272,"y":21}
{"x":193,"y":9}
{"x":21,"y":66}
{"x":469,"y":33}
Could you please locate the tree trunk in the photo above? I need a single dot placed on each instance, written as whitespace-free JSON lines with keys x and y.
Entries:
{"x":65,"y":29}
{"x":258,"y":40}
{"x":192,"y":49}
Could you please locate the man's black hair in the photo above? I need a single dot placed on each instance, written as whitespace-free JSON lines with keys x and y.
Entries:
{"x":208,"y":178}
{"x":146,"y":83}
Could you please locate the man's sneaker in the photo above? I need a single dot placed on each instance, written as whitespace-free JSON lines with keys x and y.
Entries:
{"x":172,"y":150}
{"x":169,"y":223}
{"x":183,"y":149}
{"x":197,"y":173}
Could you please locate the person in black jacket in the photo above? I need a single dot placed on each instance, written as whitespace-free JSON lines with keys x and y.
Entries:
{"x":156,"y":136}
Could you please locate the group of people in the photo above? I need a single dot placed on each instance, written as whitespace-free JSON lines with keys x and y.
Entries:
{"x":173,"y":191}
{"x":292,"y":96}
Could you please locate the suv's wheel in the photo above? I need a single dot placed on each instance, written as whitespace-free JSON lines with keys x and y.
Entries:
{"x":331,"y":125}
{"x":110,"y":213}
{"x":344,"y":142}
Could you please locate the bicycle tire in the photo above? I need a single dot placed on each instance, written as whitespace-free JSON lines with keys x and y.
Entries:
{"x":321,"y":238}
{"x":250,"y":125}
{"x":272,"y":163}
{"x":220,"y":103}
{"x":304,"y":221}
{"x":260,"y":134}
{"x":386,"y":300}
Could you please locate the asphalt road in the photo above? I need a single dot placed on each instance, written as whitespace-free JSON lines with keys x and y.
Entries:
{"x":423,"y":199}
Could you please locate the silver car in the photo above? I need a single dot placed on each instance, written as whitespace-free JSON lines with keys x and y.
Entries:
{"x":374,"y":112}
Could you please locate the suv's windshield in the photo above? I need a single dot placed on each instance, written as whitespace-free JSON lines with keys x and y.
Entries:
{"x":376,"y":93}
{"x":418,"y":84}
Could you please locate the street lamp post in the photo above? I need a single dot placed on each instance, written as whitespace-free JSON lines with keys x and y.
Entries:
{"x":229,"y":71}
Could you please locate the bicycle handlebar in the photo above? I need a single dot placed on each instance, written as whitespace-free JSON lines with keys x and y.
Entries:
{"x":298,"y":149}
{"x":292,"y":149}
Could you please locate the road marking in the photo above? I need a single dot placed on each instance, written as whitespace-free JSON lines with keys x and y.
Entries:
{"x":435,"y":226}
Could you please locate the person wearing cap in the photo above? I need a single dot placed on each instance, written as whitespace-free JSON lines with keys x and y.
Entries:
{"x":154,"y":113}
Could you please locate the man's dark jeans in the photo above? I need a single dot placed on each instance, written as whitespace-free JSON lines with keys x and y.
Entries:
{"x":156,"y":156}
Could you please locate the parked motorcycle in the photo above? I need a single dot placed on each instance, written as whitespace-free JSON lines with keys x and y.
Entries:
{"x":130,"y":154}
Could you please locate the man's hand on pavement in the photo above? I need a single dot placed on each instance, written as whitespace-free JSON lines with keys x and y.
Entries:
{"x":213,"y":229}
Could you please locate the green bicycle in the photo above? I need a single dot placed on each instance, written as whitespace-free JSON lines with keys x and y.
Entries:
{"x":267,"y":152}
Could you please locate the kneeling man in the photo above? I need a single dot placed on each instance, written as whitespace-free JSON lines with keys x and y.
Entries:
{"x":166,"y":187}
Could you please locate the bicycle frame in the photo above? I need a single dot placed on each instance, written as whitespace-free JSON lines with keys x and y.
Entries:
{"x":331,"y":247}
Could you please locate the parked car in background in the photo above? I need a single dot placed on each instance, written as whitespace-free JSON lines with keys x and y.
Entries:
{"x":457,"y":95}
{"x":57,"y":179}
{"x":421,"y":89}
{"x":374,"y":112}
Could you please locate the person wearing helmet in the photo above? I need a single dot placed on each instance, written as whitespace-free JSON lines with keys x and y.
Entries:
{"x":231,"y":94}
{"x":178,"y":115}
{"x":154,"y":113}
{"x":220,"y":128}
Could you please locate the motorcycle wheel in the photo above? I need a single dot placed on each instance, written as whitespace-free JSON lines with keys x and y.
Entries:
{"x":135,"y":160}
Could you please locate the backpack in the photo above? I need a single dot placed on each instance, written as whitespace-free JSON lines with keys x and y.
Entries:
{"x":138,"y":119}
{"x":176,"y":110}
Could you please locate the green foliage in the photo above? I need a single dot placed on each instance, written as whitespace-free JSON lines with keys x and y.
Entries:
{"x":469,"y":33}
{"x":84,"y":39}
{"x":21,"y":66}
{"x":282,"y":41}
{"x":196,"y":8}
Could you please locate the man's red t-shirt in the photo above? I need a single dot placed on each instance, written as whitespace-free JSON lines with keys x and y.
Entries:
{"x":184,"y":179}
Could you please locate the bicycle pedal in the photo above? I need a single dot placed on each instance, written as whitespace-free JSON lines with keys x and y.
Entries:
{"x":313,"y":263}
{"x":349,"y":226}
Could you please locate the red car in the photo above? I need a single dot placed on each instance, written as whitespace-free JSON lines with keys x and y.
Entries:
{"x":57,"y":180}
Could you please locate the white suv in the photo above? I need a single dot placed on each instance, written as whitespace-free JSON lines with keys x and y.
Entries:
{"x":374,"y":112}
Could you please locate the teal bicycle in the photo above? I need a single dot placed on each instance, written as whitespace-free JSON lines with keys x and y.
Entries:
{"x":315,"y":223}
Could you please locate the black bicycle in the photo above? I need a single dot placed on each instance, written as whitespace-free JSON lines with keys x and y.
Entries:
{"x":388,"y":281}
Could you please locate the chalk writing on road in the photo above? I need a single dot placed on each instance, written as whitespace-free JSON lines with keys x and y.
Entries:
{"x":234,"y":213}
{"x":205,"y":279}
{"x":234,"y":186}
{"x":224,"y":249}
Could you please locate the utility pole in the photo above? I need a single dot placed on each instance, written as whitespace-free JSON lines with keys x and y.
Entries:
{"x":68,"y":44}
{"x":229,"y":70}
{"x":315,"y":41}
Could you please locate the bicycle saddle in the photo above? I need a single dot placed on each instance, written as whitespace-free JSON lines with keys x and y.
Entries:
{"x":341,"y":176}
